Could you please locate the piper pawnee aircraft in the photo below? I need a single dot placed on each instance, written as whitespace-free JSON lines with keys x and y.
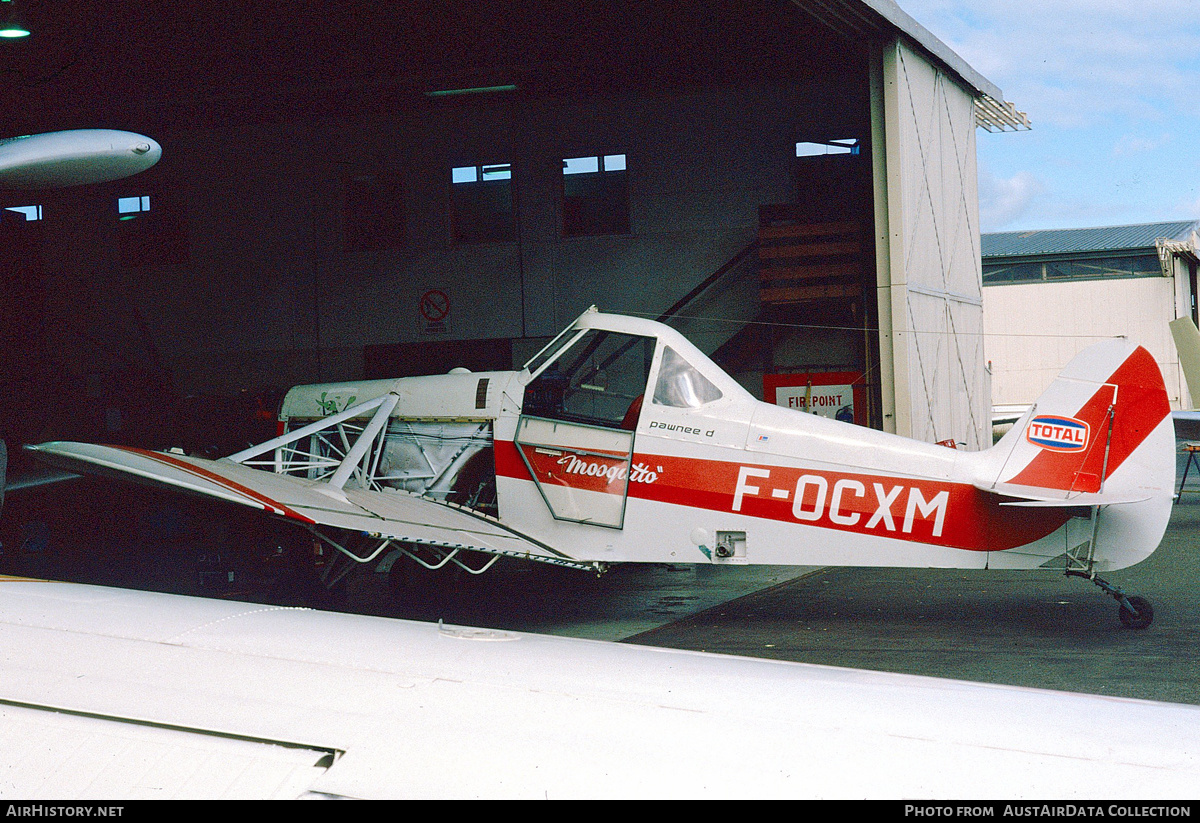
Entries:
{"x":622,"y":442}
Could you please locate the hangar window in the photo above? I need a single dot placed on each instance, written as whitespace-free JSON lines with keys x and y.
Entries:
{"x":373,"y":214}
{"x":1057,"y":271}
{"x":481,"y":203}
{"x":595,"y":195}
{"x":30,"y":213}
{"x":849,"y":145}
{"x":130,"y":207}
{"x":151,"y":230}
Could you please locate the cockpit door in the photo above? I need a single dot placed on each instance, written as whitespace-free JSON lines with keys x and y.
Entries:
{"x":576,"y":432}
{"x":581,"y":471}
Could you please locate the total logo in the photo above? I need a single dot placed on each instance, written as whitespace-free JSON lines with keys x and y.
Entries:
{"x":1059,"y":434}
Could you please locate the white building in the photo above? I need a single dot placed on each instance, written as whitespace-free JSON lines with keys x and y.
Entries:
{"x":1048,"y":294}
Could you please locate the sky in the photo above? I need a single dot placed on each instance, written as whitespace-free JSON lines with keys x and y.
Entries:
{"x":1112,"y":90}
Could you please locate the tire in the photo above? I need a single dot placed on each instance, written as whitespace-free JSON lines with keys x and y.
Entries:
{"x":1144,"y":616}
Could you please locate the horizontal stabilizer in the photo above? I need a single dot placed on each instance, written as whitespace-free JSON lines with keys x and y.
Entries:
{"x":1036,"y":497}
{"x":398,"y":515}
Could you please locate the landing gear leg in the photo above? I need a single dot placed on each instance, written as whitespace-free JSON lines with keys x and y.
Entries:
{"x":1135,"y":612}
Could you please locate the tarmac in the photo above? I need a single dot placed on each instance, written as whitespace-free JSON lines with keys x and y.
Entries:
{"x":1038,"y":629}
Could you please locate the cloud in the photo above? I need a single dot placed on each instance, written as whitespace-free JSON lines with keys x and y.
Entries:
{"x":1074,"y":63}
{"x":1110,"y":89}
{"x":1003,"y":202}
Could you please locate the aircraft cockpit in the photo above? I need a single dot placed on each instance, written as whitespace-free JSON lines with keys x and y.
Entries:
{"x":599,"y":377}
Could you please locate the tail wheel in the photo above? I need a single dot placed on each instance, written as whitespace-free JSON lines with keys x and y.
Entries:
{"x":1136,"y":612}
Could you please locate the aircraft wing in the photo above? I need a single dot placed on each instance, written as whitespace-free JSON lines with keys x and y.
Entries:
{"x":121,"y":694}
{"x":392,"y":514}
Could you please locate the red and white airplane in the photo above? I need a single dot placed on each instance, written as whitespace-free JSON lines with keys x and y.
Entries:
{"x":622,"y":442}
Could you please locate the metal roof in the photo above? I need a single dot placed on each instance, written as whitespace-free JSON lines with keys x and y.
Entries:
{"x":1044,"y":242}
{"x":856,"y":18}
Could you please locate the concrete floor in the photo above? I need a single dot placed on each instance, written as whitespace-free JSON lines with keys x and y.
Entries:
{"x":1036,"y":629}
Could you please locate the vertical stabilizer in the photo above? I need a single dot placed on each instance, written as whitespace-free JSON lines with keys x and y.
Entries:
{"x":1092,"y":428}
{"x":1100,"y":439}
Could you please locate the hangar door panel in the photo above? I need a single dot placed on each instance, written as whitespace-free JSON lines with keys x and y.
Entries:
{"x":936,"y":285}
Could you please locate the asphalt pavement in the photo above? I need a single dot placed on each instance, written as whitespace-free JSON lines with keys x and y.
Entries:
{"x":1023,"y":628}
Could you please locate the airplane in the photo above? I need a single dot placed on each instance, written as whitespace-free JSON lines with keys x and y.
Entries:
{"x":1187,"y":344}
{"x":621,"y":442}
{"x":120,"y":694}
{"x":75,"y":157}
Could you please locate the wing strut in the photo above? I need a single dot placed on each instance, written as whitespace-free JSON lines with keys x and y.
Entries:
{"x":313,"y":428}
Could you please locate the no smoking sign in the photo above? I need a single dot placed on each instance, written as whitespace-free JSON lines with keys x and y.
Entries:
{"x":435,"y":311}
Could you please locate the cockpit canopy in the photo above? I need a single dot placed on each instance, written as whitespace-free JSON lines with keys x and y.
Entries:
{"x":599,"y":376}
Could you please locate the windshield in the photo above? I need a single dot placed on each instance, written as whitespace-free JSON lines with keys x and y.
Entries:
{"x":598,"y":380}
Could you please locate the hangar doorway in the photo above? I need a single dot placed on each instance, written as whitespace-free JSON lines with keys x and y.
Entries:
{"x":815,"y":258}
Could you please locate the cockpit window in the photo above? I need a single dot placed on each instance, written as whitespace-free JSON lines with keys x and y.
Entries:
{"x":552,"y":349}
{"x":598,"y":380}
{"x":681,"y":385}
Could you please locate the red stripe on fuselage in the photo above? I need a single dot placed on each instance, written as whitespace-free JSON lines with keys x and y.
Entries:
{"x":955,"y":515}
{"x":224,"y":482}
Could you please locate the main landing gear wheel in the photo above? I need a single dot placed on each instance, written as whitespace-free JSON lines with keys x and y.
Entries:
{"x":1136,"y":612}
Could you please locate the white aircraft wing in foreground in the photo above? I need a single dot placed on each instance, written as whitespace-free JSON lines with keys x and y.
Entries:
{"x":622,"y":442}
{"x":114,"y":694}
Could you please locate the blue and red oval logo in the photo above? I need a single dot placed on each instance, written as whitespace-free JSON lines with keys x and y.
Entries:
{"x":1057,"y":433}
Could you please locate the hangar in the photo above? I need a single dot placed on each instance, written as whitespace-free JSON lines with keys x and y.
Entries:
{"x":1050,"y":293}
{"x":374,"y":190}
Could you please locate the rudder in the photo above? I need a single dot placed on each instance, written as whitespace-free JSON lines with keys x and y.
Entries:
{"x":1095,"y":418}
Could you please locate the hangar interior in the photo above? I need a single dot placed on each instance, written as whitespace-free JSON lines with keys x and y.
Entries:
{"x":370,"y":190}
